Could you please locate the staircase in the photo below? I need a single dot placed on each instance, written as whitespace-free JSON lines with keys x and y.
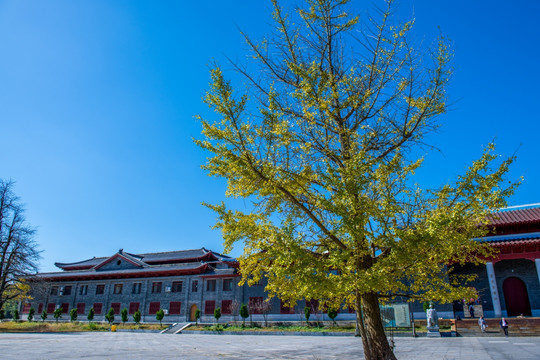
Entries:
{"x":517,"y":327}
{"x":176,"y":328}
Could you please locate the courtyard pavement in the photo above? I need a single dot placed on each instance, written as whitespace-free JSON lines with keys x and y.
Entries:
{"x":127,"y":346}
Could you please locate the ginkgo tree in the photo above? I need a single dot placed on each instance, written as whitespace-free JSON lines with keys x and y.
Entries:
{"x":324,"y":141}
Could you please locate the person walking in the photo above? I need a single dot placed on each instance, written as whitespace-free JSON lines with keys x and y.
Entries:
{"x":504,"y":326}
{"x":482,"y":324}
{"x":471,"y":310}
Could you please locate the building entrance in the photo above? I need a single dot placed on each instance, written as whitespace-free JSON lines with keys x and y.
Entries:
{"x":516,"y":297}
{"x":192,"y":312}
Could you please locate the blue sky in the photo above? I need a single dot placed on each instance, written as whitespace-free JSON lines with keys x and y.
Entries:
{"x":97,"y":100}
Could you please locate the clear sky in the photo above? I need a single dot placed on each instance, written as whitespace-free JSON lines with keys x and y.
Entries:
{"x":97,"y":100}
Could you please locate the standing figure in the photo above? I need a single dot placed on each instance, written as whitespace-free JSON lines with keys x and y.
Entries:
{"x":471,"y":310}
{"x":482,"y":324}
{"x":504,"y":326}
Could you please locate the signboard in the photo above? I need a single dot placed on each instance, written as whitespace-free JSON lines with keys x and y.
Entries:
{"x":396,"y":315}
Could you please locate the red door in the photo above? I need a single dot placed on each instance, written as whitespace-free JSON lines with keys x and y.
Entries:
{"x":516,"y":297}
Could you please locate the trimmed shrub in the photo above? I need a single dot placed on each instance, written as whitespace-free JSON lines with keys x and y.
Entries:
{"x":307,"y":314}
{"x":91,"y":314}
{"x":31,"y":313}
{"x":244,"y":313}
{"x":332,"y":314}
{"x":16,"y":315}
{"x":159,"y":316}
{"x":124,"y":315}
{"x":197,"y":316}
{"x":44,"y":315}
{"x":57,"y":314}
{"x":137,"y":317}
{"x":110,"y":316}
{"x":2,"y":314}
{"x":217,"y":314}
{"x":73,"y":314}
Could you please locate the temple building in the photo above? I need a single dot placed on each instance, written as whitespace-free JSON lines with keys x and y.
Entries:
{"x":180,"y":282}
{"x":509,"y":283}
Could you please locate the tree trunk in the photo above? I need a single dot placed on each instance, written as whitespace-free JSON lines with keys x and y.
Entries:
{"x":379,"y":349}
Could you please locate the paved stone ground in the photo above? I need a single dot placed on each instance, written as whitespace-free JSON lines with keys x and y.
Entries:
{"x":127,"y":346}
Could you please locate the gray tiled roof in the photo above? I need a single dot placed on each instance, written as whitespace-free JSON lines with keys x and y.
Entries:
{"x":148,"y":258}
{"x":149,"y":268}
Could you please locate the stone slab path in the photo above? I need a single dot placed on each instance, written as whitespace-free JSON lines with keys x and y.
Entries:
{"x":122,"y":346}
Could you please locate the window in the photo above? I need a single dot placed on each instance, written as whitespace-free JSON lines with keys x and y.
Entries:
{"x":255,"y":304}
{"x":26,"y":308}
{"x":116,"y":307}
{"x":65,"y":308}
{"x":50,"y":308}
{"x":226,"y":307}
{"x":176,"y":286}
{"x":40,"y":308}
{"x":174,"y":307}
{"x":194,"y":286}
{"x":227,"y":284}
{"x":98,"y":307}
{"x":133,"y":307}
{"x":54,"y":290}
{"x":283,"y":309}
{"x":136,"y":289}
{"x":153,"y":308}
{"x":210,"y":285}
{"x":118,"y":288}
{"x":209,"y":306}
{"x":100,"y":289}
{"x":67,"y":290}
{"x":83,"y":290}
{"x":80,"y":308}
{"x":156,"y":287}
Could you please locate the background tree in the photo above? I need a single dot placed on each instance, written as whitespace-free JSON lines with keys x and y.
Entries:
{"x":73,"y":314}
{"x":325,"y":141}
{"x":31,"y":313}
{"x":18,"y":250}
{"x":264,"y":308}
{"x":57,"y":314}
{"x":44,"y":315}
{"x":124,"y":315}
{"x":137,"y":317}
{"x":234,"y":308}
{"x":91,"y":314}
{"x":307,"y":314}
{"x":159,"y":316}
{"x":197,"y":316}
{"x":217,"y":314}
{"x":244,"y":314}
{"x":110,"y":316}
{"x":332,"y":314}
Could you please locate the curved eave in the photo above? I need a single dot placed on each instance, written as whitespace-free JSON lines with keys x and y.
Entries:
{"x":129,"y":275}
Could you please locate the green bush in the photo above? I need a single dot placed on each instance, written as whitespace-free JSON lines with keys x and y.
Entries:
{"x":137,"y":317}
{"x":159,"y":316}
{"x":73,"y":314}
{"x":2,"y":314}
{"x":197,"y":316}
{"x":16,"y":315}
{"x":332,"y":314}
{"x":244,"y":313}
{"x":92,"y":326}
{"x":31,"y":314}
{"x":91,"y":314}
{"x":57,"y":314}
{"x":124,"y":315}
{"x":44,"y":315}
{"x":110,"y":316}
{"x":217,"y":314}
{"x":307,"y":314}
